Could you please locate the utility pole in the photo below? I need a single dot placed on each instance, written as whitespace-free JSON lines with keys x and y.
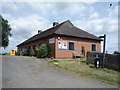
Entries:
{"x":104,"y":43}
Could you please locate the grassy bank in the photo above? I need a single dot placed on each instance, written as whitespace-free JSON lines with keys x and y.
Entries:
{"x":4,"y":53}
{"x":80,"y":67}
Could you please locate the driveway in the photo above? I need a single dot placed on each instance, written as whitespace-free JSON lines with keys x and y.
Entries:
{"x":30,"y":72}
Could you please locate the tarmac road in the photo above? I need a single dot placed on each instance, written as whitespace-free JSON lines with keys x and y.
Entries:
{"x":30,"y":72}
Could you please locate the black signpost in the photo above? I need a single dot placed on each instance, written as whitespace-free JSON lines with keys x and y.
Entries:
{"x":103,"y":48}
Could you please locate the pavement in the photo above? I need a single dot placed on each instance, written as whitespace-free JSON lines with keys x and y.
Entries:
{"x":31,"y":72}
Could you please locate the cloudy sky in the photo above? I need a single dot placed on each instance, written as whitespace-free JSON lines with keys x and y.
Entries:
{"x":26,"y":18}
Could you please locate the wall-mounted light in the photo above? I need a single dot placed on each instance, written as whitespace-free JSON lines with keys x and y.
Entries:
{"x":59,"y":38}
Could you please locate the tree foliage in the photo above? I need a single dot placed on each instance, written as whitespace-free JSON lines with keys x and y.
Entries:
{"x":116,"y":52}
{"x":25,"y":52}
{"x":32,"y":52}
{"x":5,"y":27}
{"x":44,"y":50}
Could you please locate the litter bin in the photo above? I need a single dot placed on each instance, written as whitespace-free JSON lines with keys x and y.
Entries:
{"x":97,"y":61}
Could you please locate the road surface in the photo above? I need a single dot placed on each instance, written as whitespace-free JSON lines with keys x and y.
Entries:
{"x":30,"y":72}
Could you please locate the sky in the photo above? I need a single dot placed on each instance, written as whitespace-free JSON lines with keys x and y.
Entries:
{"x":26,"y":18}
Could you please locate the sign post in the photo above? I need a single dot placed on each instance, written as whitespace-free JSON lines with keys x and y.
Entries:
{"x":103,"y":48}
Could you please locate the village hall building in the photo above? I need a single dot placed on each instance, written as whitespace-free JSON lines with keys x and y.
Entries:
{"x":64,"y":40}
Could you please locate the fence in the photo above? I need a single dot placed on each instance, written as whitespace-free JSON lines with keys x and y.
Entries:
{"x":111,"y":61}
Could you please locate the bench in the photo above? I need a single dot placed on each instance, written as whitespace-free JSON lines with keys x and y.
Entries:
{"x":78,"y":54}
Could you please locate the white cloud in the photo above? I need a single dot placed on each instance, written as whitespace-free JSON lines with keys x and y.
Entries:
{"x":77,"y":8}
{"x":58,"y":8}
{"x":10,"y":5}
{"x":113,"y":12}
{"x":94,"y":15}
{"x":44,"y":8}
{"x":86,"y":1}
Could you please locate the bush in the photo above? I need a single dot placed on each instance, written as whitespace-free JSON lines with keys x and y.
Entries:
{"x":25,"y":52}
{"x":44,"y":50}
{"x":116,"y":52}
{"x":36,"y":51}
{"x":83,"y":50}
{"x":33,"y":52}
{"x":20,"y":53}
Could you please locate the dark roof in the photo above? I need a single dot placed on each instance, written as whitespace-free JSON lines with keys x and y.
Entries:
{"x":65,"y":28}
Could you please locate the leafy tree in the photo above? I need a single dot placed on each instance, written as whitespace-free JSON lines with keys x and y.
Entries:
{"x":5,"y":27}
{"x":44,"y":50}
{"x":116,"y":52}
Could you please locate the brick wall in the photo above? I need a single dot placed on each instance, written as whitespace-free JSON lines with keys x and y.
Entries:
{"x":40,"y":41}
{"x":66,"y":53}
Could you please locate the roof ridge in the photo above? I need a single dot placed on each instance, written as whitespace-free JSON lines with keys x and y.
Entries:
{"x":53,"y":27}
{"x":63,"y":24}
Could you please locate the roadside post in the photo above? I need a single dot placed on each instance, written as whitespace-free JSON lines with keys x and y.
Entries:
{"x":103,"y":48}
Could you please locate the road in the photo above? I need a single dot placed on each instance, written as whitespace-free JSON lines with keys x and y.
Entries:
{"x":30,"y":72}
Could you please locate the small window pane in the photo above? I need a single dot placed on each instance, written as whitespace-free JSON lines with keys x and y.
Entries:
{"x":71,"y":46}
{"x":93,"y":47}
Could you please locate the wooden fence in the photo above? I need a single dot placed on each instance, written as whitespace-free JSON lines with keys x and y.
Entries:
{"x":111,"y":61}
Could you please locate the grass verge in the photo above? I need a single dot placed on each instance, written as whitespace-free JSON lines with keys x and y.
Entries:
{"x":80,"y":67}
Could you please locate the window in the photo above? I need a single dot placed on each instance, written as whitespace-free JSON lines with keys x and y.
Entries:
{"x":93,"y":47}
{"x":71,"y":45}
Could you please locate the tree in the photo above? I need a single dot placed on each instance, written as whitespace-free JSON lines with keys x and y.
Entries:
{"x":44,"y":50}
{"x":5,"y":27}
{"x":116,"y":52}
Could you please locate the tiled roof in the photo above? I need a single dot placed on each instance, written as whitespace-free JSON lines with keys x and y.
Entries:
{"x":65,"y":28}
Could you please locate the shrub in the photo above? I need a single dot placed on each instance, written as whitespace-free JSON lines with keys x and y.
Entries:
{"x":20,"y":53}
{"x":36,"y":51}
{"x":116,"y":52}
{"x":33,"y":52}
{"x":83,"y":50}
{"x":25,"y":52}
{"x":44,"y":50}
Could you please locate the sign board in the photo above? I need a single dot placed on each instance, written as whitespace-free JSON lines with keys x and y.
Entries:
{"x":52,"y":40}
{"x":62,"y":44}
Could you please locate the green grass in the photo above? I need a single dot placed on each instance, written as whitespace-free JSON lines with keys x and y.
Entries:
{"x":52,"y":61}
{"x":4,"y":53}
{"x":80,"y":67}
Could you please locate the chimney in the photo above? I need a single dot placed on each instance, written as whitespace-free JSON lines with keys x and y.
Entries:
{"x":55,"y":23}
{"x":39,"y":31}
